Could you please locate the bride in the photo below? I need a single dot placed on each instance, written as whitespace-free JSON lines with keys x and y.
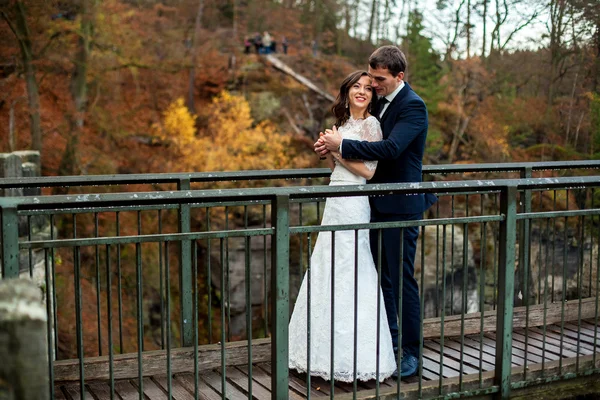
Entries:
{"x":351,"y":110}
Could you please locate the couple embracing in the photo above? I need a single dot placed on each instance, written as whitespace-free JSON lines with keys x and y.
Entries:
{"x":379,"y":136}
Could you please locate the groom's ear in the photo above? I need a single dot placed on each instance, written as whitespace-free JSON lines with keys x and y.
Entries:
{"x":400,"y":76}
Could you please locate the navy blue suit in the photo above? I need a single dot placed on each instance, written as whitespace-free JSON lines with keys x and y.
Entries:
{"x":400,"y":156}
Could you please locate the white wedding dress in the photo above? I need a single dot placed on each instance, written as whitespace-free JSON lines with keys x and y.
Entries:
{"x":343,"y":210}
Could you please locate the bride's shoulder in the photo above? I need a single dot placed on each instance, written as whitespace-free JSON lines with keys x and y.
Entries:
{"x":372,"y":120}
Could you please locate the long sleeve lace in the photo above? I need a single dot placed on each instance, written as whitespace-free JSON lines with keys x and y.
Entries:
{"x":371,"y":132}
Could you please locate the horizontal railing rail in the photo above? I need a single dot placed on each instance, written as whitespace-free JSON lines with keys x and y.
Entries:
{"x":501,"y":214}
{"x":252,"y":175}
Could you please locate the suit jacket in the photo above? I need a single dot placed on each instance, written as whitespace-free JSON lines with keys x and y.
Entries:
{"x":400,"y":153}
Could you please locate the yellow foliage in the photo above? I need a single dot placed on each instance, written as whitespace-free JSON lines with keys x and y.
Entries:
{"x":179,"y":125}
{"x":231,"y":141}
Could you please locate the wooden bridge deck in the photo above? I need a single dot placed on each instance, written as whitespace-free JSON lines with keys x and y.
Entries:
{"x":582,"y":341}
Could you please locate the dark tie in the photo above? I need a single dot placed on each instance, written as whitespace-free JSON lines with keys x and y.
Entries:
{"x":380,"y":104}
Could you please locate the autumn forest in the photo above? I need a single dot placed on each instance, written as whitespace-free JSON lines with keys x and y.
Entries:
{"x":151,"y":86}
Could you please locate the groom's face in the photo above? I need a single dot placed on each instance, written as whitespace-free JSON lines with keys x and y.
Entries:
{"x":384,"y":82}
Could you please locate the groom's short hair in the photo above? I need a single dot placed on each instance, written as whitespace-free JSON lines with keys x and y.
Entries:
{"x":390,"y":58}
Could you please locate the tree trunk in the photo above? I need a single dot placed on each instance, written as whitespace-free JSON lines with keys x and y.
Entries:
{"x":372,"y":20}
{"x":484,"y":19}
{"x":468,"y":29}
{"x":192,"y":78}
{"x":21,"y":31}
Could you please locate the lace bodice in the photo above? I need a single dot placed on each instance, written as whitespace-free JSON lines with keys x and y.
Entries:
{"x":357,"y":129}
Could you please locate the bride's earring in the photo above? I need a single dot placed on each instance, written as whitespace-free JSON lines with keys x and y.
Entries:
{"x":346,"y":103}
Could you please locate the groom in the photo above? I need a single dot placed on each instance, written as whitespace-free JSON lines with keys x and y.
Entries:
{"x":403,"y":117}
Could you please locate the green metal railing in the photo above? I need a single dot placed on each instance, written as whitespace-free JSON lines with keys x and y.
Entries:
{"x":104,"y":243}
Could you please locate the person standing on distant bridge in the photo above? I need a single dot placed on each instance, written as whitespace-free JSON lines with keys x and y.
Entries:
{"x":404,"y":121}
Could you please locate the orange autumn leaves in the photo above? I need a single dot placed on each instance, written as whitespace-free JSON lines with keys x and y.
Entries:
{"x":230,"y":141}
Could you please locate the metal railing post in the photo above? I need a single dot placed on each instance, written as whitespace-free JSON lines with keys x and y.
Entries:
{"x":524,"y":242}
{"x":506,"y":284}
{"x":185,"y":273}
{"x":10,"y":242}
{"x":280,"y":252}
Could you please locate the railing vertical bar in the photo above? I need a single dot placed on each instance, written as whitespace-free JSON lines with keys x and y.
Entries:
{"x":195,"y":314}
{"x":332,"y":321}
{"x":209,"y":279}
{"x":161,"y":288}
{"x":139,"y":289}
{"x":355,"y":327}
{"x":506,"y":282}
{"x":443,"y":313}
{"x":223,"y":319}
{"x":422,"y":299}
{"x":496,"y":255}
{"x":553,"y":248}
{"x":544,"y":325}
{"x":10,"y":243}
{"x":463,"y":303}
{"x":525,"y":259}
{"x":564,"y":291}
{"x":185,"y":268}
{"x":308,"y":313}
{"x":168,"y":320}
{"x":227,"y":292}
{"x":78,"y":316}
{"x":482,"y":297}
{"x":579,"y":289}
{"x":437,"y":263}
{"x":453,"y":270}
{"x":378,"y":331}
{"x":591,"y":243}
{"x":248,"y":277}
{"x":119,"y":285}
{"x":111,"y":366}
{"x":49,"y":332}
{"x":30,"y":251}
{"x":400,"y":301}
{"x":249,"y":306}
{"x":539,"y":299}
{"x":597,"y":298}
{"x":280,"y":297}
{"x":265,"y":276}
{"x":98,"y":291}
{"x":54,"y":307}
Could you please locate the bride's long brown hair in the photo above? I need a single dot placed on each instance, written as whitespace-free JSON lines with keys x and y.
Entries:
{"x":340,"y":109}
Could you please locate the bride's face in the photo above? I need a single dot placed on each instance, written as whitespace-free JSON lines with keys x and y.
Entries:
{"x":360,"y":93}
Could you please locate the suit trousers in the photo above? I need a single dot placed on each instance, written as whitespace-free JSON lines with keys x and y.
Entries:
{"x":390,"y":278}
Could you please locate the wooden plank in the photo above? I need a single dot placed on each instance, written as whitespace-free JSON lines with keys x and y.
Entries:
{"x":126,"y":390}
{"x":452,"y":324}
{"x":260,"y":376}
{"x":584,"y":347}
{"x":434,"y":367}
{"x":205,"y":392}
{"x":58,"y":393}
{"x":485,"y":351}
{"x":586,"y":333}
{"x":471,"y":382}
{"x":471,"y":358}
{"x":296,"y":383}
{"x":100,"y":390}
{"x":520,"y":347}
{"x":152,"y":390}
{"x":241,"y":381}
{"x":214,"y":381}
{"x":155,"y":362}
{"x":448,"y":361}
{"x":577,"y":336}
{"x":538,"y":340}
{"x":178,"y":391}
{"x":73,"y":392}
{"x":590,"y":329}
